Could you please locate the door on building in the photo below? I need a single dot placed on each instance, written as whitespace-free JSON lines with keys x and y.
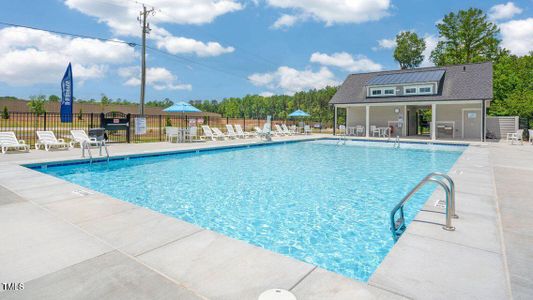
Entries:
{"x":472,"y":124}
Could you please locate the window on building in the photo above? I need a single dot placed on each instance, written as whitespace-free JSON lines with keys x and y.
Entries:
{"x":389,"y":91}
{"x":376,"y":92}
{"x":409,"y":91}
{"x":424,"y":90}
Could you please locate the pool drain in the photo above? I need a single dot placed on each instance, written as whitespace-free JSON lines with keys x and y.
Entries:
{"x":276,"y":294}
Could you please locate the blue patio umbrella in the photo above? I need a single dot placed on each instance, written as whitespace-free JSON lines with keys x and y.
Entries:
{"x":182,"y":107}
{"x":299,"y":113}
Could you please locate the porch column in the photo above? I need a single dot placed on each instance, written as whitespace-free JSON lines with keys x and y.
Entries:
{"x":433,"y":121}
{"x":367,"y":127}
{"x":335,"y":119}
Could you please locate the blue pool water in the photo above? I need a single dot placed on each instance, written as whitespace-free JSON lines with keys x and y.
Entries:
{"x":315,"y":201}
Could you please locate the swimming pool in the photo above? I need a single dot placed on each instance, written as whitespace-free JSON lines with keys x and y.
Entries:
{"x":315,"y":201}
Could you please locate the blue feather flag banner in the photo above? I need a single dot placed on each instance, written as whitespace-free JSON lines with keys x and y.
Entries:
{"x":67,"y":102}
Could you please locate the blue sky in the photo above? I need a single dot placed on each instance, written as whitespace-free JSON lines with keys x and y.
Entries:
{"x":262,"y":46}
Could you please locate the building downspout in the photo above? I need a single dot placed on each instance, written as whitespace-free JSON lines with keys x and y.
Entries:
{"x":484,"y":120}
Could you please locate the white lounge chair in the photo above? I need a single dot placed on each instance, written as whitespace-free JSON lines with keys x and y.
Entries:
{"x":264,"y":133}
{"x":218,"y":133}
{"x":208,"y":134}
{"x":231,"y":132}
{"x":8,"y":140}
{"x":243,"y":133}
{"x":48,"y":140}
{"x":307,"y":129}
{"x":79,"y":136}
{"x":359,"y":130}
{"x":279,"y":131}
{"x":191,"y":133}
{"x":286,"y":129}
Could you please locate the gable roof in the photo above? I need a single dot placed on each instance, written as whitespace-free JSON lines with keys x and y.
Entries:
{"x":458,"y":82}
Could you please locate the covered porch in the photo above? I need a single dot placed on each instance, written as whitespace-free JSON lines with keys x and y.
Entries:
{"x":436,"y":120}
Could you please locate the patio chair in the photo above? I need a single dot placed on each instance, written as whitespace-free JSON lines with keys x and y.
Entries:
{"x":294,"y":130}
{"x":231,"y":132}
{"x":219,"y":134}
{"x":48,"y":140}
{"x":243,"y":133}
{"x":286,"y":129}
{"x":8,"y":140}
{"x":279,"y":131}
{"x":342,"y":130}
{"x":375,"y":130}
{"x":172,"y":133}
{"x":359,"y":130}
{"x":516,"y":137}
{"x":307,"y":129}
{"x":191,"y":133}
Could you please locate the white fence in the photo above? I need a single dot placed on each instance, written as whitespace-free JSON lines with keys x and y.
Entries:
{"x":500,"y":126}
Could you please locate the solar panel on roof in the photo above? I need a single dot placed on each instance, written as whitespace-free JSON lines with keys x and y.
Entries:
{"x":408,"y":77}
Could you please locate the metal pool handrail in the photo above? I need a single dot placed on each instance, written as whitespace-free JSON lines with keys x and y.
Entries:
{"x":398,"y":226}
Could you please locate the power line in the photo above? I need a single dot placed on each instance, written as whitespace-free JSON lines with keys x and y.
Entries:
{"x":70,"y":34}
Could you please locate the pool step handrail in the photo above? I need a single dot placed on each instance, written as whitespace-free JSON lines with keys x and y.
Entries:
{"x":85,"y":145}
{"x":396,"y":142}
{"x":398,"y":225}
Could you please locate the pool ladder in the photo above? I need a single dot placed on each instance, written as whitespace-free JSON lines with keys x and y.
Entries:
{"x":398,"y":225}
{"x":86,"y":146}
{"x":396,"y":142}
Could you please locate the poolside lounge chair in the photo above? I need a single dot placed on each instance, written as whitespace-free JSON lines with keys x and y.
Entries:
{"x":307,"y":129}
{"x":279,"y":131}
{"x":294,"y":129}
{"x":208,"y":134}
{"x":243,"y":133}
{"x":231,"y":132}
{"x":48,"y":140}
{"x":79,"y":136}
{"x":219,"y":134}
{"x":286,"y":130}
{"x":8,"y":140}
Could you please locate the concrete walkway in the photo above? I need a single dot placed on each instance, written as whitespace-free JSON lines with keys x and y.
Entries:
{"x":64,"y":241}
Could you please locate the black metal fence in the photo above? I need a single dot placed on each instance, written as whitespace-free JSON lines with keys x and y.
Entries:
{"x":25,"y":124}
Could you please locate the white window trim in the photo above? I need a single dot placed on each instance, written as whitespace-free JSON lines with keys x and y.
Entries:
{"x":382,"y":89}
{"x":417,"y":88}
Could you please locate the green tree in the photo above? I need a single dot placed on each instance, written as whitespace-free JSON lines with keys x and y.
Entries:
{"x":104,"y":101}
{"x":409,"y":49}
{"x":53,"y":98}
{"x":5,"y":113}
{"x":80,"y":115}
{"x":37,"y":103}
{"x":466,"y":37}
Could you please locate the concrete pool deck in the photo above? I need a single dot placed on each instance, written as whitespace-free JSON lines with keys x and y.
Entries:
{"x":64,"y":241}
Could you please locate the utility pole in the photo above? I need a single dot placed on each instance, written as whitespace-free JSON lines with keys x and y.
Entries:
{"x":145,"y":29}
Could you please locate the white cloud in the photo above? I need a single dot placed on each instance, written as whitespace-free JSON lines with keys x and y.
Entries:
{"x":517,"y":36}
{"x":291,"y":80}
{"x":159,"y":78}
{"x":177,"y":45}
{"x":431,"y":43}
{"x":30,"y":56}
{"x":121,"y":17}
{"x":334,"y":11}
{"x":346,"y":61}
{"x":285,"y":21}
{"x":386,"y":44}
{"x":504,"y":11}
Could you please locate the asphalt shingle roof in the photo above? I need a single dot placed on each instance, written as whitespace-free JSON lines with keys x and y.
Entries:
{"x":459,"y":82}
